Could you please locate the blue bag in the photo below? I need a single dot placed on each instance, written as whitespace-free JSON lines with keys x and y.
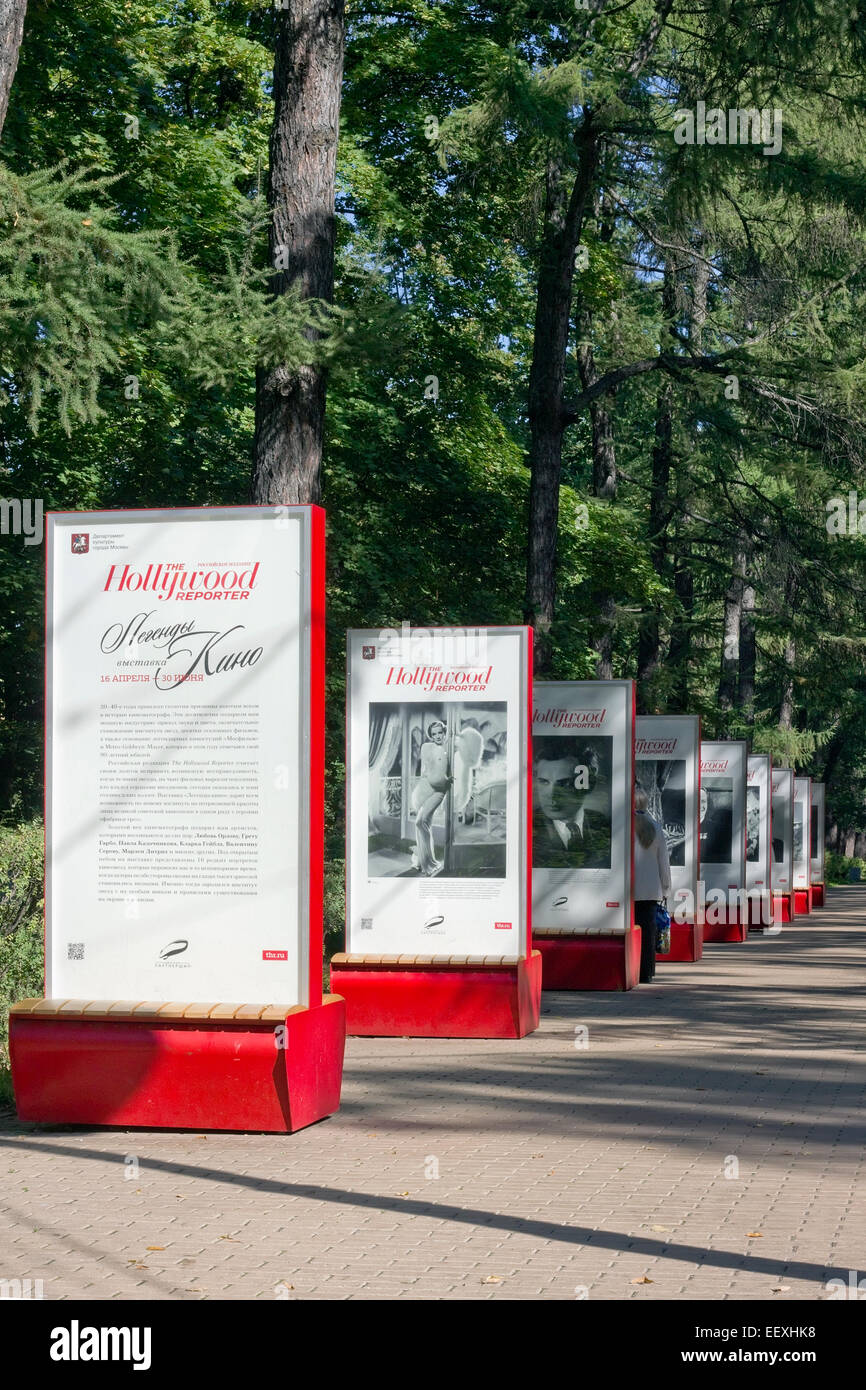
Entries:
{"x":663,"y":930}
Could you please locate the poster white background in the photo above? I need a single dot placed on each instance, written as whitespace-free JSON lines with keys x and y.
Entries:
{"x":400,"y":686}
{"x":722,"y":763}
{"x":802,"y":819}
{"x":758,"y":869}
{"x":783,"y":828}
{"x":178,"y":815}
{"x":818,"y":813}
{"x":580,"y":899}
{"x":677,"y":736}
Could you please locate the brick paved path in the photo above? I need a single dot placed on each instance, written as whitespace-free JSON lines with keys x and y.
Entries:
{"x":724,"y":1099}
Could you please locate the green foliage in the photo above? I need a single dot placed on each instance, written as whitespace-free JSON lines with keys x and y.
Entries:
{"x":837,"y":867}
{"x":133,"y":245}
{"x":21,"y":922}
{"x":335,"y":914}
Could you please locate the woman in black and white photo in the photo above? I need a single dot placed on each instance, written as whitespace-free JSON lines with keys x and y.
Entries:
{"x":429,"y":793}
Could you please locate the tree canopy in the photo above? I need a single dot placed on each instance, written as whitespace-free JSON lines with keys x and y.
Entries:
{"x":586,"y":361}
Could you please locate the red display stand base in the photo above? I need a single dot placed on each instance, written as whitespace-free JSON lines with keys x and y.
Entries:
{"x":802,"y":901}
{"x":731,"y":928}
{"x":759,"y":911}
{"x":817,"y":895}
{"x":453,"y":997}
{"x":177,"y":1066}
{"x":687,"y":942}
{"x":589,"y":962}
{"x":783,"y":907}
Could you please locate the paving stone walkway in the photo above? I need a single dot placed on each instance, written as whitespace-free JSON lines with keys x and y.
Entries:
{"x":704,"y":1133}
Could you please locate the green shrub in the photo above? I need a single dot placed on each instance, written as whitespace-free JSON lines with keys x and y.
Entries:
{"x":837,"y":866}
{"x":21,"y":900}
{"x":335,"y":913}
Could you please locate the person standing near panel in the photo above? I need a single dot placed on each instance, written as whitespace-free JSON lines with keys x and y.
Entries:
{"x":652,"y":880}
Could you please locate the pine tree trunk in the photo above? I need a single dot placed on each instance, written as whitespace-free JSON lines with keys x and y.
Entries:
{"x":604,"y":641}
{"x":748,"y":655}
{"x":12,"y":14}
{"x":604,"y":478}
{"x":290,"y":405}
{"x":563,"y":221}
{"x":649,"y":638}
{"x":731,"y":639}
{"x":680,"y":650}
{"x":786,"y":706}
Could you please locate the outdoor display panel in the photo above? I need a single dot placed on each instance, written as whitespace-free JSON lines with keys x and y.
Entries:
{"x":783,"y":829}
{"x":582,"y":781}
{"x":817,"y":833}
{"x":758,"y":823}
{"x":667,"y":766}
{"x":438,"y":792}
{"x":722,"y":815}
{"x":182,"y":858}
{"x":802,"y":828}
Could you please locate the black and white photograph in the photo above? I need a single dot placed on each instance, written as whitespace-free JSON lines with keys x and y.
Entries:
{"x":717,"y":820}
{"x":437,"y":790}
{"x":753,"y":824}
{"x":798,"y":833}
{"x":571,"y":810}
{"x":782,"y":810}
{"x":664,"y":781}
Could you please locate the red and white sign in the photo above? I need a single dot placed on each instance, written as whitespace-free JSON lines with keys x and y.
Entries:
{"x":722,"y":815}
{"x":184,"y":733}
{"x":783,"y":829}
{"x":800,"y":870}
{"x":437,"y":794}
{"x":582,"y":781}
{"x":817,"y":836}
{"x":758,"y":822}
{"x":667,"y":755}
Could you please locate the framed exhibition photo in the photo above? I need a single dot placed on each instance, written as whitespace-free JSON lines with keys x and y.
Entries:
{"x":722,"y":815}
{"x":582,"y":812}
{"x":667,"y":766}
{"x":437,"y":795}
{"x":800,"y":868}
{"x":184,"y":754}
{"x":758,"y":821}
{"x":783,"y":829}
{"x":817,"y":833}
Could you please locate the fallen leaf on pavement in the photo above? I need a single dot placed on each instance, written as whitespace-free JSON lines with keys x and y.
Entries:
{"x":642,"y":1280}
{"x":493,"y":1279}
{"x":755,"y":1235}
{"x":156,"y":1247}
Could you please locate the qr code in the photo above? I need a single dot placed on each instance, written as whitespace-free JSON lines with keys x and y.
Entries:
{"x":75,"y":950}
{"x":366,"y":924}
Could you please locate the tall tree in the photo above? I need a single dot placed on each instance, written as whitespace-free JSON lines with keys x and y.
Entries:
{"x":290,"y":400}
{"x":12,"y":14}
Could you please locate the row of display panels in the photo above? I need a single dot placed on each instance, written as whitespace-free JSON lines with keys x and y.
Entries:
{"x":184,"y":773}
